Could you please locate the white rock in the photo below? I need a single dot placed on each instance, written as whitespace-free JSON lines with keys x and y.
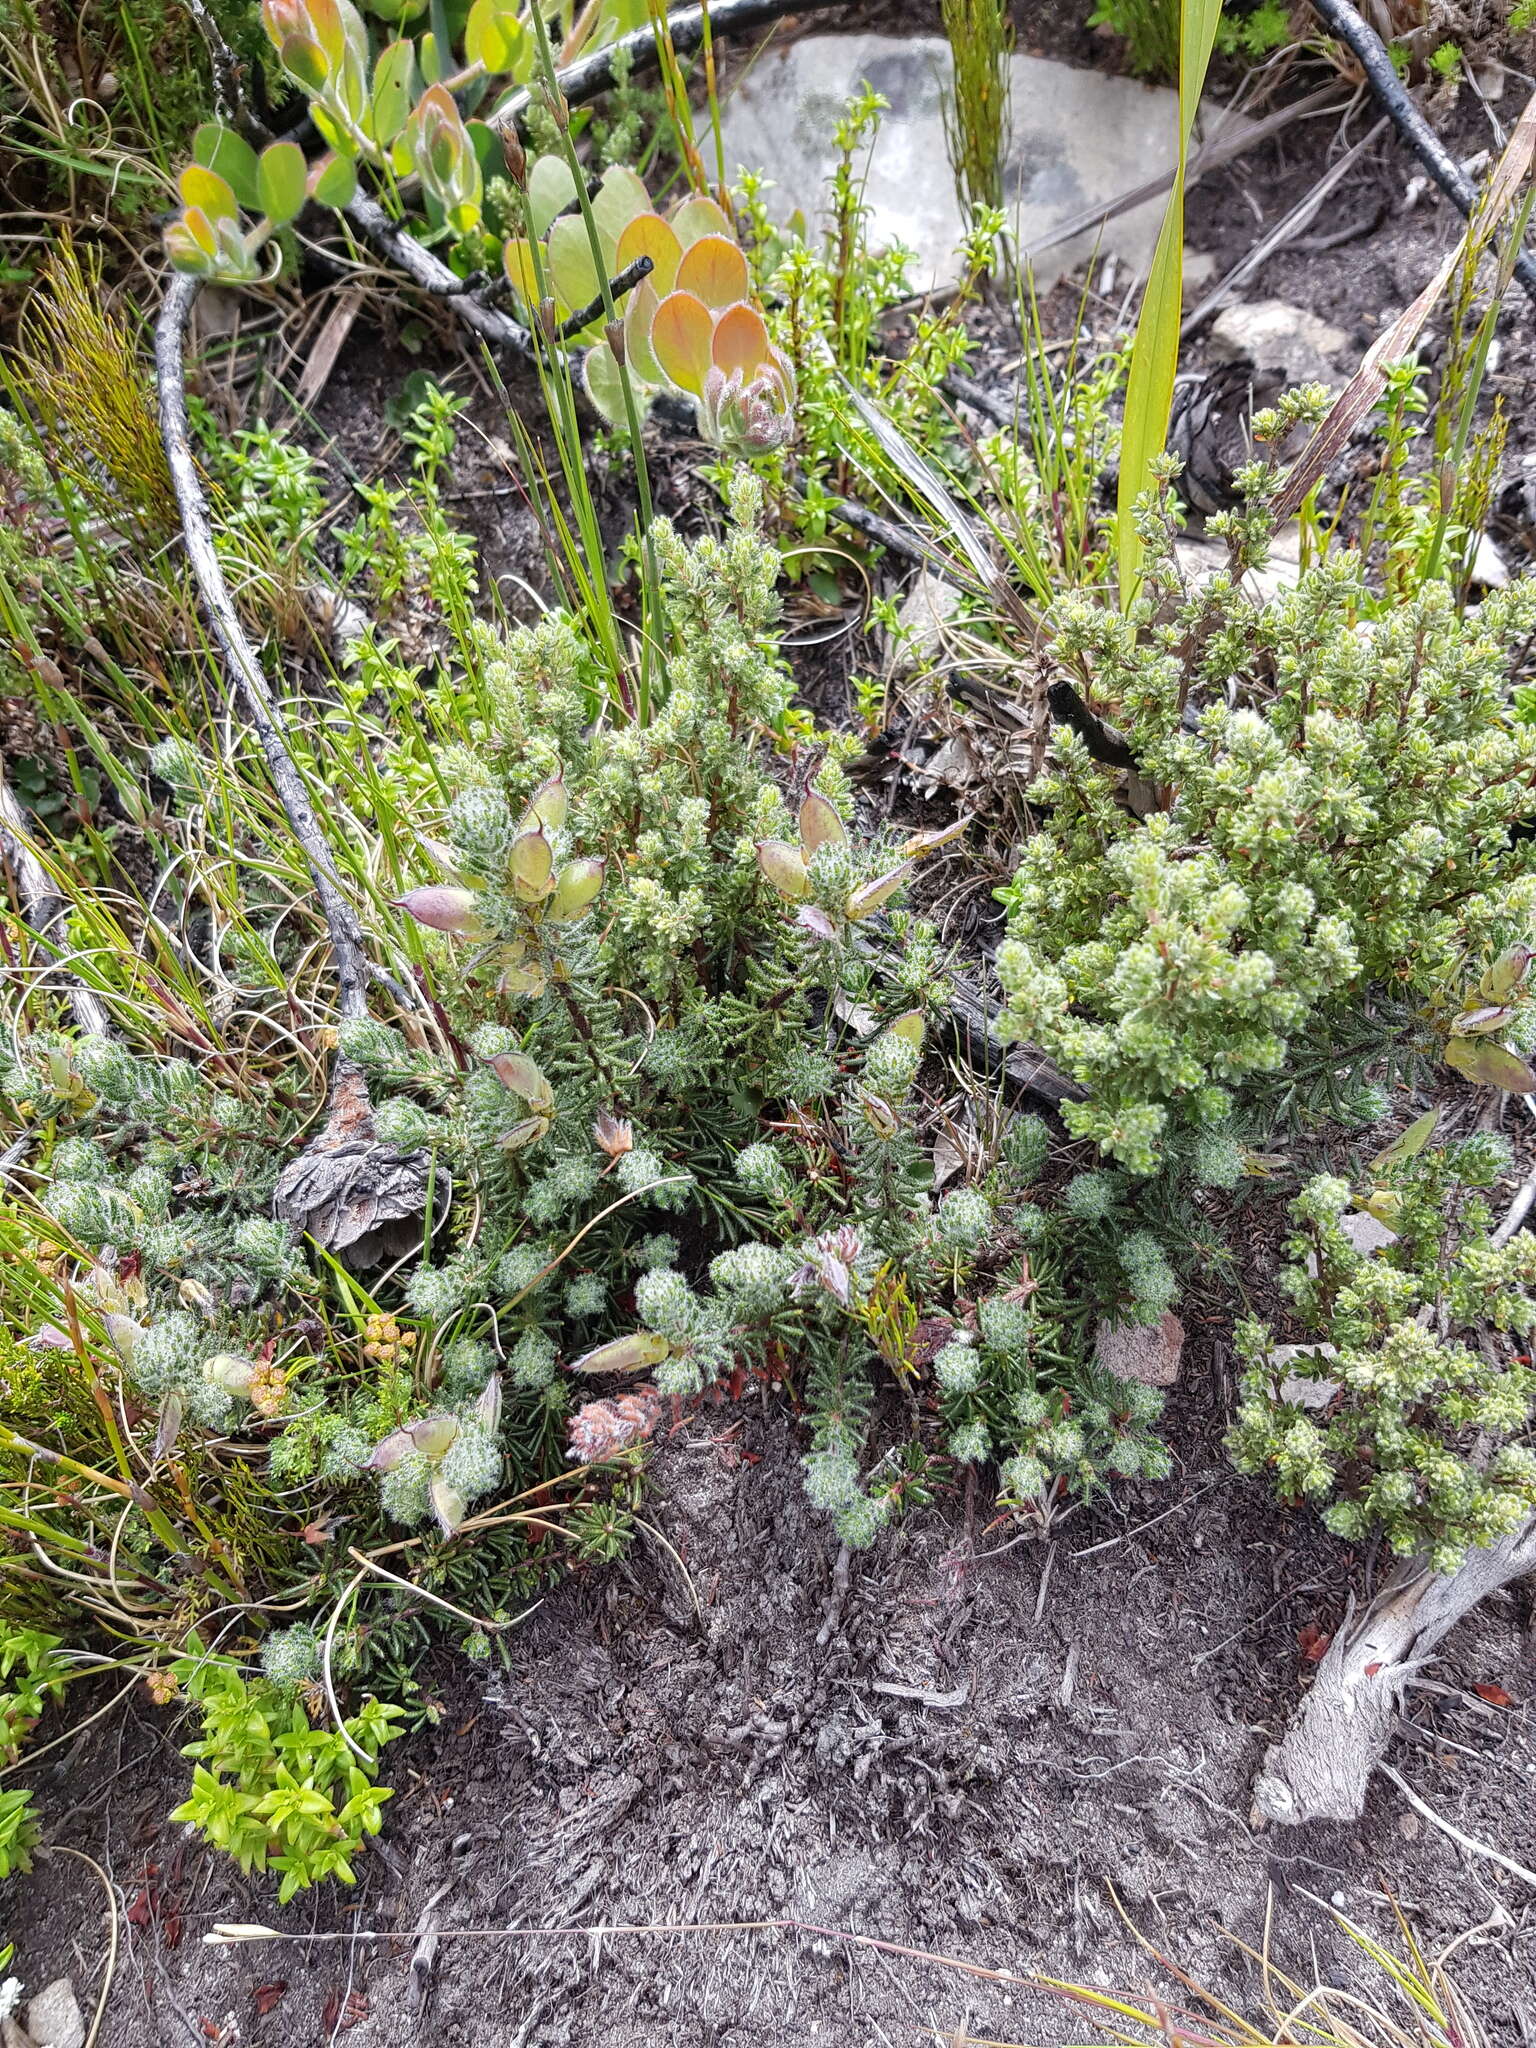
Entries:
{"x":1201,"y":558}
{"x":53,"y":2017}
{"x":1078,"y":139}
{"x":925,"y":616}
{"x":1282,"y":338}
{"x":1490,"y":571}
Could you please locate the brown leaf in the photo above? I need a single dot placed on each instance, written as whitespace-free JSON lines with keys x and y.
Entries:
{"x":1495,"y":1695}
{"x":267,"y":1995}
{"x":1372,"y":1669}
{"x":1313,"y":1642}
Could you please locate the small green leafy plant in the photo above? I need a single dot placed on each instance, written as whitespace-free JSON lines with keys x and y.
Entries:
{"x":1408,"y":1400}
{"x":267,"y":1785}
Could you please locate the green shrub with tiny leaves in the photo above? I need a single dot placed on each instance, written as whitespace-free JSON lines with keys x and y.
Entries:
{"x":1322,"y":809}
{"x":1410,"y":1409}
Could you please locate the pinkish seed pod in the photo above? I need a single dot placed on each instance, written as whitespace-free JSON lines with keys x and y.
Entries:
{"x":532,"y":867}
{"x":443,"y":909}
{"x":866,"y":901}
{"x":820,"y":824}
{"x":577,"y":889}
{"x":625,"y":1354}
{"x":516,"y":1071}
{"x":783,"y":867}
{"x":449,"y":1506}
{"x":488,"y":1407}
{"x":549,"y":806}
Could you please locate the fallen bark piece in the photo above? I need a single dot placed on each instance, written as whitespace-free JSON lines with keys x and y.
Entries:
{"x":1322,"y":1767}
{"x":363,"y":1200}
{"x":1134,"y":1351}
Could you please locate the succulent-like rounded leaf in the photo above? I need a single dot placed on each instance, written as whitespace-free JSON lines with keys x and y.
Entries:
{"x":649,"y":235}
{"x":1489,"y":1065}
{"x":820,"y":824}
{"x":551,"y":189}
{"x":625,"y":1354}
{"x":208,"y":193}
{"x":604,"y":382}
{"x":282,"y":182}
{"x":680,"y":341}
{"x":494,"y":36}
{"x":714,"y":270}
{"x":740,"y":344}
{"x":619,"y":199}
{"x":783,"y":866}
{"x":230,"y":156}
{"x":517,"y":262}
{"x":572,"y":271}
{"x":305,"y":63}
{"x":333,"y":181}
{"x":192,"y":245}
{"x":640,"y":357}
{"x":394,"y":90}
{"x":699,"y":216}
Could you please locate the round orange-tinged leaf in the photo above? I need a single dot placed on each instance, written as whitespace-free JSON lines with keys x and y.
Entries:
{"x":620,"y":198}
{"x":649,"y":235}
{"x":517,"y":261}
{"x":639,"y":315}
{"x":571,"y":269}
{"x":680,"y":338}
{"x":699,"y":216}
{"x":740,"y":340}
{"x":208,"y":192}
{"x":714,"y":270}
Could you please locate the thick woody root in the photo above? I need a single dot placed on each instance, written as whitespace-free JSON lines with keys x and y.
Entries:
{"x":1322,"y":1767}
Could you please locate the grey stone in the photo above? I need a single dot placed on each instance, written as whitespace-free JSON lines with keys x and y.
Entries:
{"x":1281,"y":338}
{"x":1078,"y":139}
{"x":925,"y":616}
{"x":53,"y":2017}
{"x":1296,"y":1386}
{"x":1134,"y":1351}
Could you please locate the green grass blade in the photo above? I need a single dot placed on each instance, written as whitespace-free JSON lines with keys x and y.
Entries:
{"x":1155,"y":352}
